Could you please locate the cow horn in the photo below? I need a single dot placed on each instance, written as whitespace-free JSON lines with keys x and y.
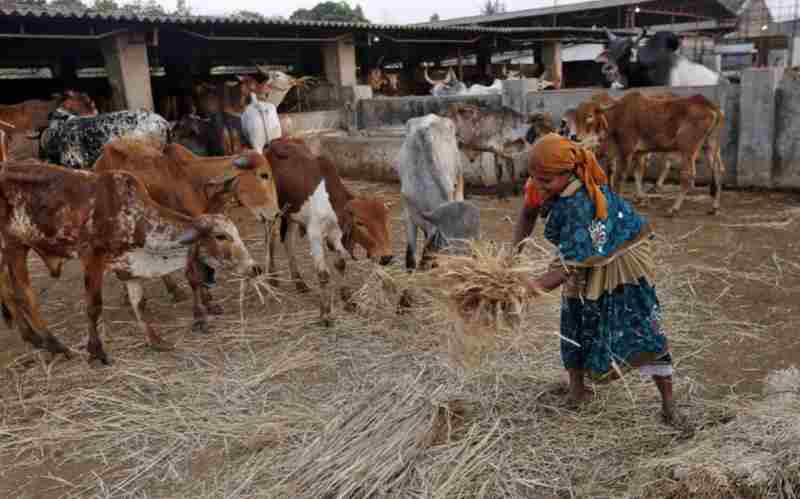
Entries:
{"x":261,"y":69}
{"x":428,"y":78}
{"x":611,"y":36}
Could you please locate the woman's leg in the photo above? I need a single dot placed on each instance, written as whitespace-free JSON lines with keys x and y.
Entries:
{"x":664,"y":385}
{"x":578,"y":392}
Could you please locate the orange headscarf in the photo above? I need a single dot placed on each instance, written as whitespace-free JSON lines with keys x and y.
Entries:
{"x":555,"y":155}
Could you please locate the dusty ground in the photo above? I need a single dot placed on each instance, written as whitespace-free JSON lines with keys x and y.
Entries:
{"x":745,"y":261}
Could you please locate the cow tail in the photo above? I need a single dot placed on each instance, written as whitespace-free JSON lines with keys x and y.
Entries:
{"x":8,"y":319}
{"x":284,"y":229}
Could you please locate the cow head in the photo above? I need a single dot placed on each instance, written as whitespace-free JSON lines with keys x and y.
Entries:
{"x":450,"y":85}
{"x":540,"y":124}
{"x":376,"y":80}
{"x":256,"y":84}
{"x":393,"y":81}
{"x":255,"y":185}
{"x":206,"y":98}
{"x":367,"y":224}
{"x":77,"y":103}
{"x":467,"y":120}
{"x":455,"y":224}
{"x":511,"y":74}
{"x":618,"y":56}
{"x":218,"y":240}
{"x":591,"y":122}
{"x":568,"y":128}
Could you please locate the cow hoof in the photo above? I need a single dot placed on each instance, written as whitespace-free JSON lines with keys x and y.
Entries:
{"x":301,"y":287}
{"x":274,"y":283}
{"x":671,"y":213}
{"x":654,"y":190}
{"x":340,"y":265}
{"x":215,"y":309}
{"x":326,"y":321}
{"x":54,"y":346}
{"x":713,"y":211}
{"x":200,"y":326}
{"x":102,"y":357}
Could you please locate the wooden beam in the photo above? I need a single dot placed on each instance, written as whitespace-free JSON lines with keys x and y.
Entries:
{"x":128,"y":71}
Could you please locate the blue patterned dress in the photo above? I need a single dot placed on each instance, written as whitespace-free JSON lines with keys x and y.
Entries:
{"x":619,"y":321}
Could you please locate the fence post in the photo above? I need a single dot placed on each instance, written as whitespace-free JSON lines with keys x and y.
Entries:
{"x":757,"y":126}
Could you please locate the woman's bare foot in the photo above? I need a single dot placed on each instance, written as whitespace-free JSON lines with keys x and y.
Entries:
{"x":577,"y":398}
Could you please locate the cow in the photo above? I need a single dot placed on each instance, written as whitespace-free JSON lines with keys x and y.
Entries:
{"x":108,"y":222}
{"x":539,"y":124}
{"x":260,"y":124}
{"x":32,"y":115}
{"x":194,"y":186}
{"x":377,"y":80}
{"x":449,"y":86}
{"x":5,"y":130}
{"x":432,"y":186}
{"x":279,"y":84}
{"x":77,"y":142}
{"x":657,"y":63}
{"x":480,"y":130}
{"x":638,"y":124}
{"x":313,"y":197}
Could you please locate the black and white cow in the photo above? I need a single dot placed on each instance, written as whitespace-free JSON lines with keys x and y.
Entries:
{"x":656,"y":63}
{"x":77,"y":142}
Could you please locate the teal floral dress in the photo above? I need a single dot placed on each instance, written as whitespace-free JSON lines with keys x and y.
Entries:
{"x":610,"y":321}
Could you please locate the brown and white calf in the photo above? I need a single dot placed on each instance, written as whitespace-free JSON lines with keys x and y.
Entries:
{"x":637,"y":124}
{"x":194,"y":186}
{"x":108,"y":222}
{"x":313,"y":197}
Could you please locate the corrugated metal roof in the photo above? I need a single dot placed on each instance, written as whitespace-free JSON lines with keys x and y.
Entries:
{"x":17,"y":10}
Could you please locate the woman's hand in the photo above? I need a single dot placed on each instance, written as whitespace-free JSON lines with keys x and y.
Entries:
{"x":535,"y":288}
{"x":547,"y":282}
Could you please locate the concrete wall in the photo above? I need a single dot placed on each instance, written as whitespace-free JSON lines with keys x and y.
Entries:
{"x":311,"y":122}
{"x":395,"y":111}
{"x":760,"y":138}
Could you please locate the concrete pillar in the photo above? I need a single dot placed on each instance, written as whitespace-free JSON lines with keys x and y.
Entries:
{"x":757,"y":126}
{"x":551,"y":59}
{"x":128,"y":71}
{"x":795,"y":50}
{"x":340,"y":62}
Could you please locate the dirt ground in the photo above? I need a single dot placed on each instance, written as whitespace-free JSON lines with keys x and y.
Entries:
{"x":745,"y":260}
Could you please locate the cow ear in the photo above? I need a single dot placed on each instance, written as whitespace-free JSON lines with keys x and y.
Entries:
{"x":388,"y":205}
{"x":243,"y":162}
{"x":602,"y":57}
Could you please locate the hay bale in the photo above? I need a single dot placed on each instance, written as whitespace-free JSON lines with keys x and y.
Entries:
{"x":755,"y":456}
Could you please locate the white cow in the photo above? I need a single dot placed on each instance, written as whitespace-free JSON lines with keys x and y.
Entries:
{"x":260,"y":123}
{"x":432,"y":185}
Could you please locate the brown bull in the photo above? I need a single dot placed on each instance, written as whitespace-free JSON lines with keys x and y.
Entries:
{"x":315,"y":198}
{"x":108,"y":222}
{"x":195,"y":186}
{"x":637,"y":124}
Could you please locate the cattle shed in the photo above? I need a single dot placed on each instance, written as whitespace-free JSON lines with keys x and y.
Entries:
{"x":135,"y":48}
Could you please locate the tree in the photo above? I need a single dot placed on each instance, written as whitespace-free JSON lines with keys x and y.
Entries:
{"x":491,"y":7}
{"x":105,"y":5}
{"x":182,"y":8}
{"x":435,"y":17}
{"x":331,"y":11}
{"x":69,"y":4}
{"x":248,"y":14}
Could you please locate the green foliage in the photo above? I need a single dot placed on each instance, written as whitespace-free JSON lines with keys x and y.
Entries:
{"x":331,"y":11}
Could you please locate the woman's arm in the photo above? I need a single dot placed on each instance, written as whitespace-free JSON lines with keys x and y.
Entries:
{"x":548,"y":282}
{"x":526,"y":222}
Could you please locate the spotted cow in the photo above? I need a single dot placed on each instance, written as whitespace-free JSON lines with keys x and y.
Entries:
{"x":77,"y":142}
{"x":108,"y":222}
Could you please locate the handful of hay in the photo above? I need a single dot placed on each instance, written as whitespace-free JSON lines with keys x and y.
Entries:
{"x":490,"y":282}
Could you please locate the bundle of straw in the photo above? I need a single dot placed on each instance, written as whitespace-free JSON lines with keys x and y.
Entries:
{"x":489,"y":282}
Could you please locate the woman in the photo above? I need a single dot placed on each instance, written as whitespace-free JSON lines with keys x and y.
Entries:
{"x":610,"y":316}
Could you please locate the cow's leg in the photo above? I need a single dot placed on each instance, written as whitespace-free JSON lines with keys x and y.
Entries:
{"x":29,"y":321}
{"x":316,"y":240}
{"x":666,"y":164}
{"x":139,"y":305}
{"x":288,"y":244}
{"x":269,"y":247}
{"x":195,"y":278}
{"x":93,"y":281}
{"x":640,"y":167}
{"x":687,"y":181}
{"x":208,"y":301}
{"x":498,"y":171}
{"x":714,"y":162}
{"x":459,"y":195}
{"x":271,"y":268}
{"x":411,"y":243}
{"x":173,"y":289}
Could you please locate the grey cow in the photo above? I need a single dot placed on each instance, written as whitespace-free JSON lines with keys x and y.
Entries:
{"x":432,"y":185}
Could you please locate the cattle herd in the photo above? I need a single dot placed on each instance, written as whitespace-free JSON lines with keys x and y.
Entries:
{"x":139,"y":196}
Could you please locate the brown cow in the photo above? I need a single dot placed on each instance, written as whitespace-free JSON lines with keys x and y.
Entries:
{"x":33,"y":115}
{"x":195,"y":186}
{"x":314,"y":197}
{"x":638,"y":124}
{"x":108,"y":222}
{"x":376,"y":80}
{"x":5,"y":130}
